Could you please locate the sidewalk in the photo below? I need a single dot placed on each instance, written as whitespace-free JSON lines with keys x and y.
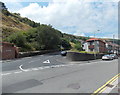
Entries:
{"x":116,"y":89}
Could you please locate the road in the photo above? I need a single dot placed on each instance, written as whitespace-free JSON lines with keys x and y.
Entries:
{"x":57,"y":75}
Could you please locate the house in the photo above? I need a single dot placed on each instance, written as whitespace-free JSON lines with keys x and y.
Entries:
{"x":8,"y":51}
{"x":112,"y":47}
{"x":95,"y":45}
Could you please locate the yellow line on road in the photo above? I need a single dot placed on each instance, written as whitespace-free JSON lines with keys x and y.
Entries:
{"x":102,"y":88}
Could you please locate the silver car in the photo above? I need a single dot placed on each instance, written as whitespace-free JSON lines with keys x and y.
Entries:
{"x":107,"y":57}
{"x":114,"y":56}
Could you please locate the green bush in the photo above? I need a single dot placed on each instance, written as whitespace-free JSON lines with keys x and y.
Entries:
{"x":78,"y":47}
{"x":17,"y":38}
{"x":65,"y":43}
{"x":48,"y":38}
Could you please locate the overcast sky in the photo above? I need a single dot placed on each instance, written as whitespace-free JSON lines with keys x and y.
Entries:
{"x":78,"y":17}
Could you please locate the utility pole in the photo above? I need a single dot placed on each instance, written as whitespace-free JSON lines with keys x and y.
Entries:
{"x":95,"y":45}
{"x":113,"y":44}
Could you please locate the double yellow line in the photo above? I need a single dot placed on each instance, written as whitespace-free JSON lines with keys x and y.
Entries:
{"x":102,"y":88}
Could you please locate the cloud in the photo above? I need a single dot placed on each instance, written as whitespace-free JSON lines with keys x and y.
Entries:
{"x":75,"y":17}
{"x":13,"y":7}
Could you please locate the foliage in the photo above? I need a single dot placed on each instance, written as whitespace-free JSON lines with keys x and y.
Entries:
{"x":48,"y":37}
{"x":65,"y":43}
{"x":75,"y":41}
{"x":74,"y":50}
{"x":84,"y":38}
{"x":18,"y":39}
{"x":29,"y":22}
{"x":42,"y":38}
{"x":5,"y":12}
{"x":78,"y":47}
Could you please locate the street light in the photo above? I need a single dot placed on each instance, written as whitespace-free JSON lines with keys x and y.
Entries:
{"x":95,"y":45}
{"x":113,"y":44}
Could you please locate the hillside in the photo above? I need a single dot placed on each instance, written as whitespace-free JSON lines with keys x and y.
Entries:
{"x":10,"y":25}
{"x":13,"y":22}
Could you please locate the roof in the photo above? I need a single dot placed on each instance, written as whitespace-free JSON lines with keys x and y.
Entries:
{"x":113,"y":44}
{"x":94,"y":39}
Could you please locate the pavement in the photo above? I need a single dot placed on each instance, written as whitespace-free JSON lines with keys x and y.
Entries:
{"x":53,"y":73}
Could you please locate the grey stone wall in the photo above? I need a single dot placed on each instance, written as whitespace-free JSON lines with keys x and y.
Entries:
{"x":33,"y":53}
{"x":75,"y":56}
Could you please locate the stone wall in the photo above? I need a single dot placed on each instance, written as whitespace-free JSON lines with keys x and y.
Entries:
{"x":75,"y":56}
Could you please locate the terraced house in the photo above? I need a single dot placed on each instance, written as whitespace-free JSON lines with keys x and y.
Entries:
{"x":113,"y":48}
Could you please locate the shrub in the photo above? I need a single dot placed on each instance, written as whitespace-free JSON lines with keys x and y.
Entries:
{"x":65,"y":43}
{"x":48,"y":38}
{"x":17,"y":38}
{"x":78,"y":47}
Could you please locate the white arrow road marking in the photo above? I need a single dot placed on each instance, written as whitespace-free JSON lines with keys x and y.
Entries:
{"x":25,"y":70}
{"x":47,"y":61}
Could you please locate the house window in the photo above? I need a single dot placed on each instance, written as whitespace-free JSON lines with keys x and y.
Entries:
{"x":91,"y":43}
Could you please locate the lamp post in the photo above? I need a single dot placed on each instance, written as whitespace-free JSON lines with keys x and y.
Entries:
{"x":113,"y":44}
{"x":95,"y":45}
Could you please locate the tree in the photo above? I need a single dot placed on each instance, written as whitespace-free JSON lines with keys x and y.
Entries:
{"x":65,"y":43}
{"x":17,"y":38}
{"x":48,"y":38}
{"x":78,"y":47}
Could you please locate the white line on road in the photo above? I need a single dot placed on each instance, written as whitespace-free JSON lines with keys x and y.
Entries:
{"x":40,"y":68}
{"x":5,"y":74}
{"x":35,"y":69}
{"x":18,"y":72}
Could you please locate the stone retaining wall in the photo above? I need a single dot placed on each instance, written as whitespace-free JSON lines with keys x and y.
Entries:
{"x":75,"y":56}
{"x":33,"y":53}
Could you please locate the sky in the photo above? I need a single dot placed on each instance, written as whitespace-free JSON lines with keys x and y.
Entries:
{"x":77,"y":17}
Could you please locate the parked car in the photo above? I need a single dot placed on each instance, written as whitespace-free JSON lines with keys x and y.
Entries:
{"x":107,"y":57}
{"x":114,"y":56}
{"x":63,"y":53}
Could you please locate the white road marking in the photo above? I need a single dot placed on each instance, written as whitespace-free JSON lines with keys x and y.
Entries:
{"x":18,"y":72}
{"x":5,"y":74}
{"x":46,"y":67}
{"x":35,"y":69}
{"x":25,"y":70}
{"x":47,"y":61}
{"x":40,"y":68}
